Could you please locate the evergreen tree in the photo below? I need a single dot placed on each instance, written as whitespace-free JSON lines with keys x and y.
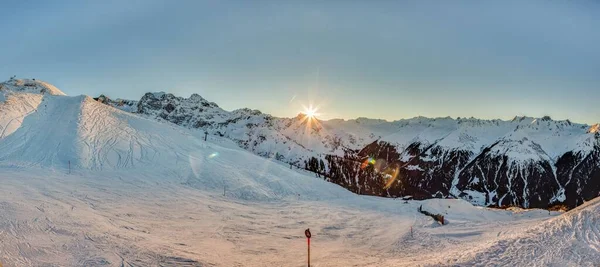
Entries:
{"x":321,"y":165}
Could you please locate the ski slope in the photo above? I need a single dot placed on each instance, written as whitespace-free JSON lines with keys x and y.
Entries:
{"x":85,"y":184}
{"x":20,"y":98}
{"x":14,"y":108}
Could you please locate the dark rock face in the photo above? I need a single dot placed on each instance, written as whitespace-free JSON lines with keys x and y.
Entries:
{"x":529,"y":184}
{"x":350,"y":172}
{"x":427,"y":173}
{"x":579,"y":175}
{"x":433,"y":170}
{"x":488,"y":178}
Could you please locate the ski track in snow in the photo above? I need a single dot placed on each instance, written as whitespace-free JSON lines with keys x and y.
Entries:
{"x":143,"y":193}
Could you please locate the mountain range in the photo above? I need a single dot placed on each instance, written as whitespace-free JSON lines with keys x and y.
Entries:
{"x":525,"y":162}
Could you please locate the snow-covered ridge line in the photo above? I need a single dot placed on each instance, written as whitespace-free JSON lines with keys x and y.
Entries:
{"x":492,"y":162}
{"x":488,"y":162}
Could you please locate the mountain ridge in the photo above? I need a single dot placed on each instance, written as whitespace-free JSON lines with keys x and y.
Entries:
{"x":526,"y":161}
{"x":526,"y":149}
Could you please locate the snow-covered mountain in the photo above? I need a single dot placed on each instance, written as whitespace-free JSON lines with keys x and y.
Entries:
{"x":85,"y":184}
{"x":526,"y":162}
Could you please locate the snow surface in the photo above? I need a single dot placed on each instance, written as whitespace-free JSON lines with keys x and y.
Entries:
{"x":85,"y":184}
{"x":14,"y":108}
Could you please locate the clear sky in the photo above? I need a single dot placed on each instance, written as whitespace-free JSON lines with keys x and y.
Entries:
{"x":377,"y":59}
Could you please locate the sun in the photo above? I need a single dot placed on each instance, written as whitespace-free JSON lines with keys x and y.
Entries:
{"x":310,"y":112}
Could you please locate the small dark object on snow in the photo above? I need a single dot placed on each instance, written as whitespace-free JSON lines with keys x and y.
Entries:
{"x":437,"y":217}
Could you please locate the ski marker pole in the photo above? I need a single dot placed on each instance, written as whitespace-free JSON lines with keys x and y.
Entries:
{"x":308,"y":235}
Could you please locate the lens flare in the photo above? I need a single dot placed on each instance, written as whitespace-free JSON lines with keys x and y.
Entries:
{"x":367,"y":162}
{"x":391,"y":174}
{"x":388,"y":172}
{"x":196,"y":163}
{"x":198,"y":160}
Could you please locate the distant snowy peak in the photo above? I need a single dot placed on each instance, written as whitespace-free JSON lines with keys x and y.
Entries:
{"x":29,"y":86}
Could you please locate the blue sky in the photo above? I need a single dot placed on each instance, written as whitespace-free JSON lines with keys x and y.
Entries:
{"x":378,"y":59}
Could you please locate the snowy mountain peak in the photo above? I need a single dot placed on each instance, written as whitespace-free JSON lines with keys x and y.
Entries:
{"x":29,"y":86}
{"x":522,"y":118}
{"x":194,"y":99}
{"x":520,"y":148}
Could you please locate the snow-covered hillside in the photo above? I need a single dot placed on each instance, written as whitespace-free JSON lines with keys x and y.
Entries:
{"x":85,"y":133}
{"x":86,"y":184}
{"x":527,"y":162}
{"x":19,"y":98}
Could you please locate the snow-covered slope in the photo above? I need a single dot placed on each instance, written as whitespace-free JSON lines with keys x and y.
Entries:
{"x":90,"y":135}
{"x":561,"y":241}
{"x":14,"y":108}
{"x":19,"y":98}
